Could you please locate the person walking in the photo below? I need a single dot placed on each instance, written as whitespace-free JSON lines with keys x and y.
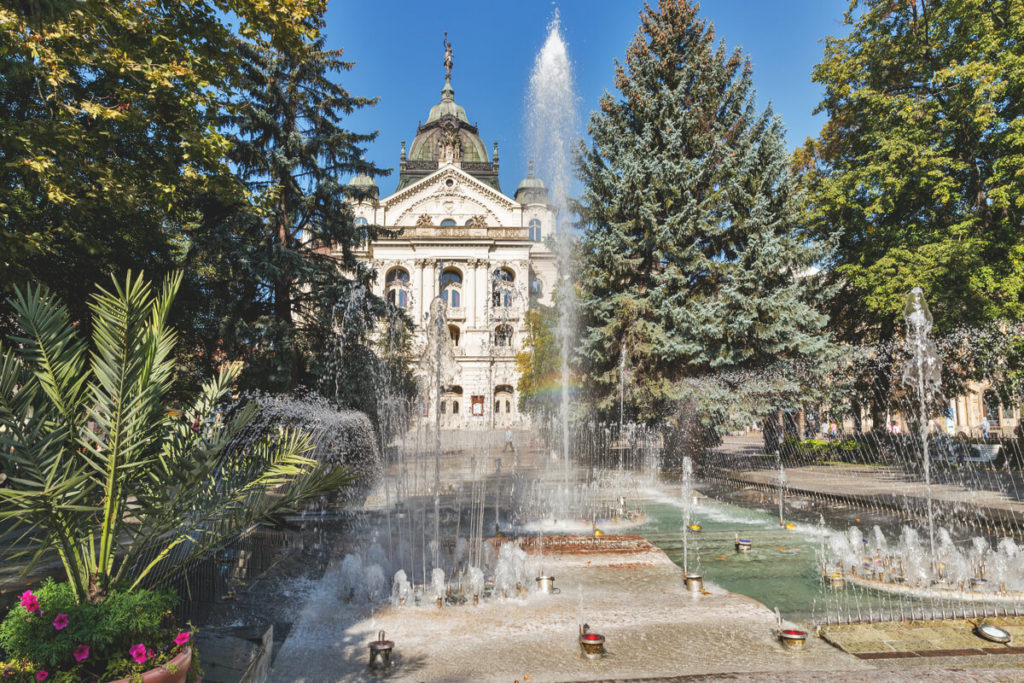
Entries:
{"x":508,"y":441}
{"x":985,"y":427}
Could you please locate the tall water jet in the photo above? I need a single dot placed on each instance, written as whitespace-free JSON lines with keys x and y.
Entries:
{"x":552,"y":126}
{"x":923,"y":374}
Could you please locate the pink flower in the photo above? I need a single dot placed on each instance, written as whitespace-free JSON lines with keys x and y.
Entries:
{"x":81,"y":653}
{"x":182,"y":638}
{"x":61,"y":622}
{"x":42,"y":675}
{"x":138,"y":653}
{"x":30,"y":603}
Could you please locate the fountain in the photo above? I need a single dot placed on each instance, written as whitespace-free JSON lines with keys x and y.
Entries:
{"x":793,"y":639}
{"x":694,"y":581}
{"x":592,"y":644}
{"x":380,"y":653}
{"x":923,"y":373}
{"x":552,"y":133}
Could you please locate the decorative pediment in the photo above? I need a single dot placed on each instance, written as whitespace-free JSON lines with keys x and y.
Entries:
{"x":454,"y":186}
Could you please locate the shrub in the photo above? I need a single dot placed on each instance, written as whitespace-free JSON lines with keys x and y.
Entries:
{"x":70,"y":641}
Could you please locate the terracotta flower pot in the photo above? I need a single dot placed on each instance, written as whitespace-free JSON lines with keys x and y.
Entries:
{"x":162,"y":674}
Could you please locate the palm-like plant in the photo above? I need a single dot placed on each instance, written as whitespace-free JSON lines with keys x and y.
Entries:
{"x":99,"y":469}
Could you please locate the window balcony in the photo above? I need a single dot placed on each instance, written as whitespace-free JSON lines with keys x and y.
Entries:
{"x":455,"y":313}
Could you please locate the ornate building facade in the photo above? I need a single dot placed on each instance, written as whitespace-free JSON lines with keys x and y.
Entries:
{"x":449,"y":232}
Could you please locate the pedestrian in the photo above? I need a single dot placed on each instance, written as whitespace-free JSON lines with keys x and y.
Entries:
{"x":508,"y":441}
{"x":985,"y":427}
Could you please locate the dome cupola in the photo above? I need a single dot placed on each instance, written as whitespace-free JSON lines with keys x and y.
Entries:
{"x":447,"y":139}
{"x":532,"y":190}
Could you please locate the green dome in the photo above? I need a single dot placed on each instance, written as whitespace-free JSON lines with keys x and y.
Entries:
{"x":447,"y":105}
{"x":365,"y":184}
{"x":450,"y":116}
{"x":363,"y":180}
{"x":532,"y":190}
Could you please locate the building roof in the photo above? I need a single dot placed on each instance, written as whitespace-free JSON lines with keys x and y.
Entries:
{"x":447,"y":137}
{"x":532,"y":190}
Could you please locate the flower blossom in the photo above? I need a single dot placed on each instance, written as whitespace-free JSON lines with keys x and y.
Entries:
{"x":61,"y":622}
{"x":81,"y":653}
{"x":138,"y":653}
{"x":30,"y":603}
{"x":182,"y":638}
{"x":42,"y":675}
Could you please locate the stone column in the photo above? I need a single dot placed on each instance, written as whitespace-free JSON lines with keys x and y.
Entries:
{"x":471,"y":291}
{"x":421,"y":304}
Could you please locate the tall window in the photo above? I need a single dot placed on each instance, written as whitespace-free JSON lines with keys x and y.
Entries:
{"x":503,"y":335}
{"x":451,"y":287}
{"x":536,"y":287}
{"x":396,"y":287}
{"x":502,"y":286}
{"x":535,"y":233}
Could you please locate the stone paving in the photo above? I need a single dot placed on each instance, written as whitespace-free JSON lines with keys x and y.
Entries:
{"x":653,"y":625}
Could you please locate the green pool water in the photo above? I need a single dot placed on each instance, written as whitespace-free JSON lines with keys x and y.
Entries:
{"x":783,"y":568}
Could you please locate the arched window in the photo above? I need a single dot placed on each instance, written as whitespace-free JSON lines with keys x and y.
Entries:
{"x":361,"y":222}
{"x":502,"y":286}
{"x":536,"y":287}
{"x":451,"y":287}
{"x":450,"y":398}
{"x":503,"y":335}
{"x":453,"y":330}
{"x":535,"y":233}
{"x":469,"y":223}
{"x":396,"y":287}
{"x":503,"y":394}
{"x":448,"y":223}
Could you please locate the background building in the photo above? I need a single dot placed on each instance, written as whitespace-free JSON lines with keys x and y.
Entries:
{"x":450,"y":232}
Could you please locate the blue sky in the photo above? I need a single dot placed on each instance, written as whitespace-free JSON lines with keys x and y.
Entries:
{"x":397,"y":47}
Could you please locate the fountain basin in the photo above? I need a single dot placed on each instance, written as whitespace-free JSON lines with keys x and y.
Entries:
{"x":939,"y":590}
{"x":694,"y":582}
{"x":592,"y":645}
{"x":793,"y":639}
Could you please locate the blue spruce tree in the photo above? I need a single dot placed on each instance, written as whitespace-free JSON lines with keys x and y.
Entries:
{"x":695,"y":258}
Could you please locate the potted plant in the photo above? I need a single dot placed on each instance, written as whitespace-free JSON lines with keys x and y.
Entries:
{"x":101,"y":474}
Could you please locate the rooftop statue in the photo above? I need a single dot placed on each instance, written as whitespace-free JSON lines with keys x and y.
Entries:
{"x":448,"y":62}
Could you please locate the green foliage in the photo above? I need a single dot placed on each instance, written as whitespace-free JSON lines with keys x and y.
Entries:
{"x":109,"y":628}
{"x":279,"y":268}
{"x":99,"y":471}
{"x":817,"y":450}
{"x":107,"y":132}
{"x":540,"y":364}
{"x":694,"y":254}
{"x":918,"y":166}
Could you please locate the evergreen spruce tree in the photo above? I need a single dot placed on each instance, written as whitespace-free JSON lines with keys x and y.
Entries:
{"x":284,"y":265}
{"x":694,"y":257}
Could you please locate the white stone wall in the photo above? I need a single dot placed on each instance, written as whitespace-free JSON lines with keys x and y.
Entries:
{"x":496,"y":238}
